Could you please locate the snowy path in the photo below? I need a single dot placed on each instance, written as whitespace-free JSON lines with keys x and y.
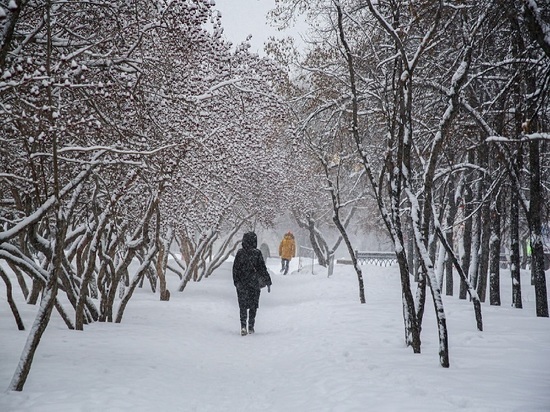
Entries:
{"x":316,"y":349}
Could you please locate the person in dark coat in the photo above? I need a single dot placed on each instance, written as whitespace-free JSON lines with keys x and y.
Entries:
{"x":249,"y":276}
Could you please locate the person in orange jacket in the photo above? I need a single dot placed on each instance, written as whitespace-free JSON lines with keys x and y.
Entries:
{"x":287,"y":250}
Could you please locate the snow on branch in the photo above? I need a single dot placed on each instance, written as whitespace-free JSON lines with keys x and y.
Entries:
{"x":84,"y":149}
{"x":15,"y":177}
{"x":210,"y":93}
{"x":521,"y":139}
{"x":537,"y":25}
{"x":45,"y":207}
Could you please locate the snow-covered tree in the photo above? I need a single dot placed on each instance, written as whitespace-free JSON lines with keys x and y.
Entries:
{"x":122,"y":123}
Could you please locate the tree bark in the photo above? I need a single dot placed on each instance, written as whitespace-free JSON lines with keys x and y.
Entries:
{"x":49,"y":297}
{"x":135,"y":281}
{"x":11,"y":302}
{"x":162,"y":260}
{"x":449,"y":221}
{"x":35,"y":292}
{"x":20,"y":279}
{"x":538,"y":28}
{"x":535,"y":223}
{"x":321,"y":258}
{"x":473,"y":270}
{"x":514,"y":248}
{"x":464,"y":278}
{"x":8,"y":27}
{"x":37,"y":330}
{"x":467,"y":237}
{"x":485,"y":227}
{"x":494,"y":253}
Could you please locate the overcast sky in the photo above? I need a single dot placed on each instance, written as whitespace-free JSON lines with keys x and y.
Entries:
{"x":243,"y":17}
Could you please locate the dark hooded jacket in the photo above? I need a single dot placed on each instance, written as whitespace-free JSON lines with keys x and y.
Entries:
{"x":249,"y":271}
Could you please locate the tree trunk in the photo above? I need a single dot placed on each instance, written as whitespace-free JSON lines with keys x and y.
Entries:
{"x":188,"y":251}
{"x":37,"y":330}
{"x":473,"y":270}
{"x":20,"y":279}
{"x":467,"y":238}
{"x":334,"y":195}
{"x":192,"y":265}
{"x":462,"y":274}
{"x":412,"y":330}
{"x":321,"y":258}
{"x":11,"y":302}
{"x":35,"y":292}
{"x":450,"y":218}
{"x":7,"y":29}
{"x":535,"y":223}
{"x":485,"y":228}
{"x":420,"y":296}
{"x":44,"y":312}
{"x":441,"y":325}
{"x":109,"y":292}
{"x":80,"y":318}
{"x":162,"y":261}
{"x":494,"y":253}
{"x":514,"y":249}
{"x":410,"y":248}
{"x":535,"y":24}
{"x":427,"y":268}
{"x":358,"y":271}
{"x":138,"y":276}
{"x":517,"y":48}
{"x":64,"y":315}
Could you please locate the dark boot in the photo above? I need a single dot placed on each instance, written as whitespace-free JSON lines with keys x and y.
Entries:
{"x":243,"y":315}
{"x":251,"y":320}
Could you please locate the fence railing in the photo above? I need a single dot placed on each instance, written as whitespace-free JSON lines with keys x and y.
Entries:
{"x":375,"y":258}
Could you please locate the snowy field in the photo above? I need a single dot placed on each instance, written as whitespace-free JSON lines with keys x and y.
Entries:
{"x":316,"y":349}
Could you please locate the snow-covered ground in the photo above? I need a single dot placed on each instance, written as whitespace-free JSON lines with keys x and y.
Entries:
{"x":316,"y":349}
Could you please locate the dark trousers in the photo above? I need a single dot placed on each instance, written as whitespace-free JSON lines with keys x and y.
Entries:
{"x":249,"y":299}
{"x":284,"y":264}
{"x":251,"y":317}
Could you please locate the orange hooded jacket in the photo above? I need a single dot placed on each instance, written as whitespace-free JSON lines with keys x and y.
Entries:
{"x":287,"y":248}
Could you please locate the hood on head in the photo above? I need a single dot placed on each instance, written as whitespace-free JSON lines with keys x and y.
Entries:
{"x":250,"y":240}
